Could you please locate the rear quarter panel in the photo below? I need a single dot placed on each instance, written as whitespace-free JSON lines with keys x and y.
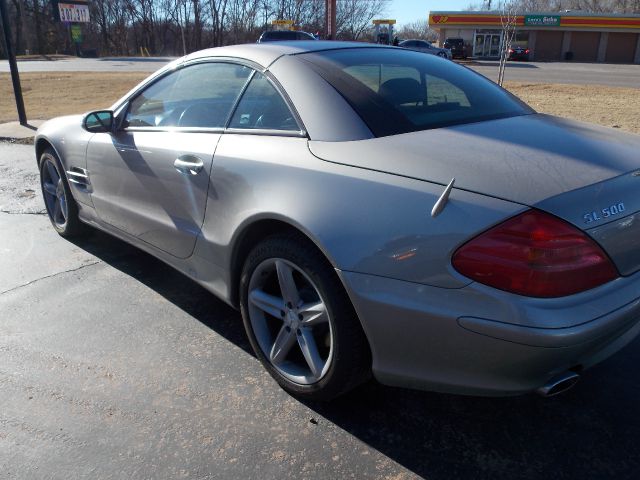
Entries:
{"x":363,"y":221}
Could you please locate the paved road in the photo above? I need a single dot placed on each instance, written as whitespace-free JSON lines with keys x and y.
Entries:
{"x":574,"y":73}
{"x":114,"y":366}
{"x":133,"y":64}
{"x":536,"y":72}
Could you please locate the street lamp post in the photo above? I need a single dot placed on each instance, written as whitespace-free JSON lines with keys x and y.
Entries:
{"x":13,"y":66}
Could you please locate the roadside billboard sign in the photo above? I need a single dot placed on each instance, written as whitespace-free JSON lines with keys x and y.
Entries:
{"x":74,"y":12}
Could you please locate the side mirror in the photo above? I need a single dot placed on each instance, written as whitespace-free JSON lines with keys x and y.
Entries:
{"x":98,"y":122}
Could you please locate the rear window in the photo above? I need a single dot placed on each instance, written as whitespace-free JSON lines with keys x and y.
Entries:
{"x":400,"y":91}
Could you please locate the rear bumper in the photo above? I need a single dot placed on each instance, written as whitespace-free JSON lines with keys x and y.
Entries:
{"x":446,"y":340}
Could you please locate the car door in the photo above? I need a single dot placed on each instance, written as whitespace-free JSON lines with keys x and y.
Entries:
{"x":264,"y":130}
{"x":150,"y":178}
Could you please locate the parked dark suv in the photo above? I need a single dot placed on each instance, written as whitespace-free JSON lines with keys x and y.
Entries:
{"x":283,"y":35}
{"x":457,"y":47}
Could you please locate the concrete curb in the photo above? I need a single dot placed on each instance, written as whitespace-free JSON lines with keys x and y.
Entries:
{"x":13,"y":132}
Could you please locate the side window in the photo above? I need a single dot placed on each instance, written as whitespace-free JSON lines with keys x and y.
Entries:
{"x":262,"y":107}
{"x":151,"y":106}
{"x":198,"y":96}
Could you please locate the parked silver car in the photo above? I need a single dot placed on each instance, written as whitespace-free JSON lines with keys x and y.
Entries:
{"x":369,"y":210}
{"x":426,"y":47}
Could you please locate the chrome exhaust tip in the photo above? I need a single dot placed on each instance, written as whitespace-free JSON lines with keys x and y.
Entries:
{"x":558,"y":384}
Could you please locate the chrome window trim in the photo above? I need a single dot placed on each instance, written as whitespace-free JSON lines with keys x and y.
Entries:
{"x":302,"y":132}
{"x":176,"y":129}
{"x":164,"y":72}
{"x":233,"y":60}
{"x":267,"y":132}
{"x":287,"y":101}
{"x":123,"y":107}
{"x":234,"y":107}
{"x":241,"y":131}
{"x":296,"y":116}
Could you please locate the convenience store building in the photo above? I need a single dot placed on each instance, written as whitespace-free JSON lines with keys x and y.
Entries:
{"x":576,"y":36}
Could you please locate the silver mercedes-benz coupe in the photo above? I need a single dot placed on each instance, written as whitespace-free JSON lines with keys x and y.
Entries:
{"x":371,"y":211}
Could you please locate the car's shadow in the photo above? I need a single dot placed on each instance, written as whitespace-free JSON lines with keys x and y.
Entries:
{"x":591,"y":431}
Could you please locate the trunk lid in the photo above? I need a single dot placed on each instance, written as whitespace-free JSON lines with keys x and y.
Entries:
{"x":585,"y":174}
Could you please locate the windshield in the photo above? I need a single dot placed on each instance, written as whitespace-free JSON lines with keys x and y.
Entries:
{"x":399,"y":91}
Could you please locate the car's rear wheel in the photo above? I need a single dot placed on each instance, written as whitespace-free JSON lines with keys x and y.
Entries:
{"x":300,"y":321}
{"x":60,"y":204}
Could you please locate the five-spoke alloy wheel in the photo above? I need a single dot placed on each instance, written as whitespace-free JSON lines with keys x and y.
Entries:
{"x":61,"y":206}
{"x":299,"y":320}
{"x":290,"y":321}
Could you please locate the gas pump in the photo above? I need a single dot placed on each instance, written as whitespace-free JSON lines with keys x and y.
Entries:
{"x":384,"y":31}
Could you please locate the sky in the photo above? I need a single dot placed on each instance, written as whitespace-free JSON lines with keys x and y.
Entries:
{"x":407,"y":11}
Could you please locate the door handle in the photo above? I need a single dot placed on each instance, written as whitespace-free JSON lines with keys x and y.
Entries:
{"x":189,"y":164}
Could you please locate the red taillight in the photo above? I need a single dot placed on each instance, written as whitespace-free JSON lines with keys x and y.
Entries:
{"x":511,"y":50}
{"x":537,"y":255}
{"x":526,"y":51}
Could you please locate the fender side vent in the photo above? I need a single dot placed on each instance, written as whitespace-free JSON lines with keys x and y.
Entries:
{"x":80,"y":178}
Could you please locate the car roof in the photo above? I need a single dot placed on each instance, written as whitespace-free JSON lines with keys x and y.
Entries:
{"x":265,"y":54}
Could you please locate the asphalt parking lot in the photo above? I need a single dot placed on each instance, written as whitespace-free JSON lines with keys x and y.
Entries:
{"x":113,"y":366}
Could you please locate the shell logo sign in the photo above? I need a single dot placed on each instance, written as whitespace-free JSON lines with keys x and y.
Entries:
{"x":439,"y":18}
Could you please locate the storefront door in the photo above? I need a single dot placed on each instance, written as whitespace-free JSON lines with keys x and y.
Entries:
{"x":487,"y":45}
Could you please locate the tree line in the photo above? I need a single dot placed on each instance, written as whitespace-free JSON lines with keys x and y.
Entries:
{"x":176,"y":27}
{"x":589,"y":6}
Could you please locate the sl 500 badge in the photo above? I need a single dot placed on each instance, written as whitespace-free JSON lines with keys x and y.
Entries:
{"x":606,"y":212}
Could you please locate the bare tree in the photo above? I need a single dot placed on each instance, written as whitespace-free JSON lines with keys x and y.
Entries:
{"x":354,"y":17}
{"x":418,"y":30}
{"x":508,"y":16}
{"x":243,"y":20}
{"x":17,"y":7}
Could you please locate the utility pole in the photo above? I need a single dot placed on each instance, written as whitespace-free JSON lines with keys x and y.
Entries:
{"x":330,"y":20}
{"x":13,"y":66}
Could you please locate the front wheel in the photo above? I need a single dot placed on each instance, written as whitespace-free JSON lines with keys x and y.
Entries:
{"x":61,"y":206}
{"x":300,"y":321}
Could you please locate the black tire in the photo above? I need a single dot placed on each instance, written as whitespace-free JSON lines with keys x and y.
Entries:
{"x":442,"y":55}
{"x":71,"y":226}
{"x":350,"y":358}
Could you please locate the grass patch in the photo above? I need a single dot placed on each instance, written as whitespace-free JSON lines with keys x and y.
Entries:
{"x":615,"y":107}
{"x":49,"y":95}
